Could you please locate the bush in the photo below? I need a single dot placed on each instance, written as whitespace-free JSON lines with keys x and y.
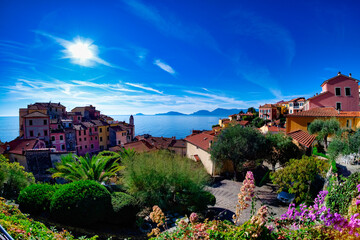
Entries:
{"x":36,"y":198}
{"x":340,"y":196}
{"x":167,"y":180}
{"x":124,"y":209}
{"x":13,"y":178}
{"x":81,"y":202}
{"x":20,"y":227}
{"x":316,"y":153}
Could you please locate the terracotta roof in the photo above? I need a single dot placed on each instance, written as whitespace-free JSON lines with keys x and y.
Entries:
{"x":325,"y":112}
{"x":179,"y":143}
{"x":201,"y":140}
{"x":320,"y":94}
{"x":117,"y":128}
{"x":298,"y":99}
{"x":243,"y":123}
{"x":302,"y":137}
{"x":276,"y":129}
{"x":160,"y":142}
{"x":339,"y":75}
{"x":36,"y":114}
{"x":73,"y":113}
{"x":88,"y":124}
{"x":268,"y":106}
{"x":18,"y":145}
{"x":99,"y":123}
{"x":47,"y":104}
{"x":140,"y":146}
{"x":79,"y":127}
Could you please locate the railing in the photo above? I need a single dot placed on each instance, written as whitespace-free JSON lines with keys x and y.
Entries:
{"x":4,"y":235}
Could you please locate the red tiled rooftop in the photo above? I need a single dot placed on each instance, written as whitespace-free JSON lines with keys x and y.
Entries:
{"x":201,"y":140}
{"x":325,"y":112}
{"x":297,"y":99}
{"x":276,"y":129}
{"x":18,"y":145}
{"x":302,"y":137}
{"x":268,"y":105}
{"x":36,"y":114}
{"x":339,"y":75}
{"x":140,"y":146}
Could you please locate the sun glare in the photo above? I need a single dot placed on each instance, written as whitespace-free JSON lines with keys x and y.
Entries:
{"x":82,"y":52}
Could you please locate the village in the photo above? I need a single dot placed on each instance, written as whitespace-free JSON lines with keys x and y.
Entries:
{"x":47,"y":131}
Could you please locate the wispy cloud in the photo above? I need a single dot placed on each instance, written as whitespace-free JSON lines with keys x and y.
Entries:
{"x":164,"y":66}
{"x":144,"y":87}
{"x":170,"y":25}
{"x":217,"y":97}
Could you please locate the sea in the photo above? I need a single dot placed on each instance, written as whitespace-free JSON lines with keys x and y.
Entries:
{"x":155,"y":125}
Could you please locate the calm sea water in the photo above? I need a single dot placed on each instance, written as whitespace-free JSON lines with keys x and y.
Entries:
{"x":165,"y":126}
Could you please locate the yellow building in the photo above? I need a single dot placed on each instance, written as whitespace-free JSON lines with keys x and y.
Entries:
{"x":103,"y":131}
{"x":301,"y":120}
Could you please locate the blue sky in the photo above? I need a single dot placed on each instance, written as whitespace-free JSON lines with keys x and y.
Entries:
{"x":159,"y":56}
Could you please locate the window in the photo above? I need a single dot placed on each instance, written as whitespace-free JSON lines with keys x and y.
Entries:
{"x":291,"y":111}
{"x":91,"y":138}
{"x":95,"y":138}
{"x":84,"y":139}
{"x":301,"y":104}
{"x":108,"y":138}
{"x":290,"y":104}
{"x":70,"y":125}
{"x":107,"y":129}
{"x":31,"y":133}
{"x":100,"y":130}
{"x":62,"y":147}
{"x":53,"y":138}
{"x":119,"y":142}
{"x":45,"y":122}
{"x":92,"y":146}
{"x":79,"y":118}
{"x":85,"y":146}
{"x":80,"y":147}
{"x":84,"y":132}
{"x":79,"y":139}
{"x":61,"y":137}
{"x":79,"y":133}
{"x":338,"y":91}
{"x":45,"y":133}
{"x":100,"y":139}
{"x":30,"y":122}
{"x":347,"y":91}
{"x":348,"y":123}
{"x":338,"y":106}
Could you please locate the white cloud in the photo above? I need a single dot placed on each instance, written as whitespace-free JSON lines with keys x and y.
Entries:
{"x":164,"y":66}
{"x":143,"y":87}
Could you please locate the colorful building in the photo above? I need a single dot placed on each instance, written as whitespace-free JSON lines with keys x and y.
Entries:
{"x":104,"y":134}
{"x":301,"y":120}
{"x":58,"y":140}
{"x":296,"y":105}
{"x":269,"y":112}
{"x":340,"y":92}
{"x":36,"y":125}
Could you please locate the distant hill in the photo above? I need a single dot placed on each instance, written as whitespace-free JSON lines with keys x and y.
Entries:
{"x":171,"y":113}
{"x":139,"y":114}
{"x":218,"y":112}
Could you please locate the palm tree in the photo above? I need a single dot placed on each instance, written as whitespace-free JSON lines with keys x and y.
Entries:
{"x":97,"y":168}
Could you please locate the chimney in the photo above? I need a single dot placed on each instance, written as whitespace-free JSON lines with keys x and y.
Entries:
{"x":350,"y":75}
{"x":339,"y":73}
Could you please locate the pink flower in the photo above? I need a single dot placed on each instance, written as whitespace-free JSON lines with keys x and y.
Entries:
{"x":193,"y":217}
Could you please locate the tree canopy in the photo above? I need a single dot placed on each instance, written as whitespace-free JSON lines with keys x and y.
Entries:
{"x":281,"y":149}
{"x":324,"y":128}
{"x":238,"y":145}
{"x":298,"y":175}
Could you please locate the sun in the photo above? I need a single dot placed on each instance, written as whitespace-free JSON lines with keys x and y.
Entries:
{"x":82,"y":52}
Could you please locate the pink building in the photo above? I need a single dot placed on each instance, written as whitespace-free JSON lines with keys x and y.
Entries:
{"x":37,"y":125}
{"x":269,"y":112}
{"x":340,"y":92}
{"x":86,"y":138}
{"x":57,"y":137}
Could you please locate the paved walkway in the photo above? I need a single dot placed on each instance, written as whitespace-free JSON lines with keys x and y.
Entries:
{"x":226,"y":192}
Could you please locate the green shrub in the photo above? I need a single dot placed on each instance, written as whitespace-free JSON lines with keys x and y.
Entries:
{"x":168,"y":180}
{"x":20,"y":227}
{"x":340,"y":196}
{"x":333,"y":165}
{"x":124,"y":209}
{"x":81,"y":203}
{"x":13,"y":179}
{"x":36,"y":198}
{"x":316,"y":153}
